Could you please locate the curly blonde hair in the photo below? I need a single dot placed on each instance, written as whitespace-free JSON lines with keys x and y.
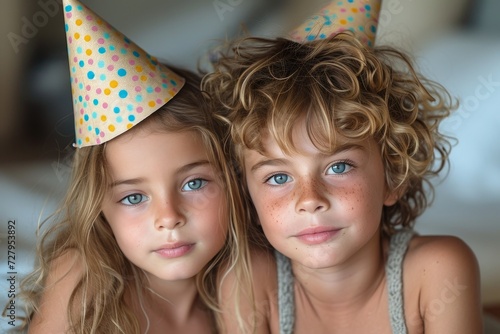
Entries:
{"x":98,"y":302}
{"x":341,"y":88}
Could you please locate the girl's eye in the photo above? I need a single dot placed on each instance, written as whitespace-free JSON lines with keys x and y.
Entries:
{"x":339,"y":168}
{"x":278,"y":179}
{"x":195,"y":184}
{"x":133,"y":199}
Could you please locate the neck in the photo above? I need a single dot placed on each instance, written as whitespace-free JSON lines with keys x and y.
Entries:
{"x":346,"y":286}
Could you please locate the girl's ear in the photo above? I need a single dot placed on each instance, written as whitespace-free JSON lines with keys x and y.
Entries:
{"x":392,"y":196}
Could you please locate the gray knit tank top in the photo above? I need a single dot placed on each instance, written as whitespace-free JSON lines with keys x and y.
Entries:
{"x":394,"y":272}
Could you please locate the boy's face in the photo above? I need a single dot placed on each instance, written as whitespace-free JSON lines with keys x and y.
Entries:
{"x":166,"y":206}
{"x":318,"y":209}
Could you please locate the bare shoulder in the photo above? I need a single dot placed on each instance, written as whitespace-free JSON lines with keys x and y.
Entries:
{"x":253,"y":295}
{"x":64,"y":274}
{"x":445,"y":271}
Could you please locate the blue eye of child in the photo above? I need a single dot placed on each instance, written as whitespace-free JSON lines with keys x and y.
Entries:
{"x":278,"y":179}
{"x":194,"y":184}
{"x":339,"y":168}
{"x":133,"y":199}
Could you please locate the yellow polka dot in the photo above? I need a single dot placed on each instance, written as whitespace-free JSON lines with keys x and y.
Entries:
{"x":81,"y":121}
{"x":99,"y":21}
{"x":144,"y":78}
{"x":87,"y":38}
{"x":88,"y":52}
{"x":151,"y":66}
{"x":77,"y":35}
{"x":107,"y":91}
{"x":152,"y":104}
{"x":354,"y":10}
{"x":129,"y":125}
{"x":113,"y":84}
{"x":343,"y":22}
{"x":138,"y":68}
{"x":103,"y":118}
{"x":87,"y":139}
{"x":111,"y":128}
{"x":79,"y":22}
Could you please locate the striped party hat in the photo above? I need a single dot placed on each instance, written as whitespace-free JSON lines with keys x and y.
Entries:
{"x":358,"y":16}
{"x":115,"y":84}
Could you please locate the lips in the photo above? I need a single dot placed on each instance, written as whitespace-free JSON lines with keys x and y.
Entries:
{"x":317,"y":235}
{"x":174,"y":250}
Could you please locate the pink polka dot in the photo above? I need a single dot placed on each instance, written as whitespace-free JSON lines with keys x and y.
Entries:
{"x":94,"y":28}
{"x":87,"y":98}
{"x":151,"y":74}
{"x":76,"y":80}
{"x":159,"y":101}
{"x":98,"y":141}
{"x":115,"y":58}
{"x":69,"y":15}
{"x":70,"y":40}
{"x":100,"y":40}
{"x":75,"y":59}
{"x":157,"y":89}
{"x":105,"y":105}
{"x":342,"y":10}
{"x":126,"y":46}
{"x":138,"y":88}
{"x":131,"y":62}
{"x":91,"y":61}
{"x":89,"y":18}
{"x":102,"y":134}
{"x":361,"y":9}
{"x":80,"y":131}
{"x":139,"y":109}
{"x":135,"y":78}
{"x":88,"y":88}
{"x":98,"y":91}
{"x":111,"y":67}
{"x":82,"y":111}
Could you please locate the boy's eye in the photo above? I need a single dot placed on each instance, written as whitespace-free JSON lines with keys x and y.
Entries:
{"x":339,"y":168}
{"x":133,"y":199}
{"x":195,"y":184}
{"x":278,"y":179}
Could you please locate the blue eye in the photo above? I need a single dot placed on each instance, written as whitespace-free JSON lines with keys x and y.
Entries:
{"x":339,"y":168}
{"x":133,"y":199}
{"x":195,"y":184}
{"x":278,"y":179}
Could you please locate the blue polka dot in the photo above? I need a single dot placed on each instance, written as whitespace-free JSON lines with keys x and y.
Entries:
{"x":149,"y":89}
{"x":123,"y":94}
{"x":123,"y":51}
{"x":80,"y":85}
{"x":68,"y":8}
{"x":350,"y":1}
{"x":130,"y":107}
{"x":112,"y":48}
{"x":85,"y":104}
{"x":310,"y":38}
{"x":101,"y":64}
{"x":135,"y":53}
{"x":138,"y":98}
{"x":116,"y":110}
{"x":79,"y":142}
{"x":94,"y":115}
{"x":79,"y":49}
{"x":373,"y":29}
{"x":350,"y":18}
{"x":81,"y":63}
{"x":73,"y":69}
{"x":131,"y":118}
{"x":91,"y":75}
{"x":127,"y":40}
{"x":164,"y":85}
{"x":173,"y":83}
{"x":103,"y":77}
{"x":97,"y":131}
{"x":89,"y":127}
{"x":80,"y":98}
{"x":96,"y":102}
{"x":119,"y":119}
{"x":361,"y":28}
{"x":122,"y":72}
{"x":66,"y":27}
{"x":86,"y":117}
{"x":106,"y":35}
{"x":102,"y":50}
{"x":368,"y":7}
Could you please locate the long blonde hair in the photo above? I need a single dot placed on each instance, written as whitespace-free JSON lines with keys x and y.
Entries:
{"x":97,"y":302}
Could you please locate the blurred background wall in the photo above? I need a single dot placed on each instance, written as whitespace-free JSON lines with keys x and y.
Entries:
{"x":456,"y":42}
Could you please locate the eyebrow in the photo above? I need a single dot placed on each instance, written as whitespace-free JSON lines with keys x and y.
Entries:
{"x":282,"y":162}
{"x":180,"y":170}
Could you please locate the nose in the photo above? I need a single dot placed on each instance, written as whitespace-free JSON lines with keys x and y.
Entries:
{"x":312,"y":197}
{"x":169,"y":216}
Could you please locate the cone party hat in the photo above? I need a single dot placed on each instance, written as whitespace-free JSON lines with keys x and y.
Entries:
{"x":358,"y":16}
{"x":115,"y":84}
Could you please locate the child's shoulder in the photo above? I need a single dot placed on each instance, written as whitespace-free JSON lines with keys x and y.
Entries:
{"x":441,"y":279}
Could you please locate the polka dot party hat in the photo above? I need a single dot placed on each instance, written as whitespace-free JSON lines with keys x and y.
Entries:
{"x":358,"y":16}
{"x":115,"y":84}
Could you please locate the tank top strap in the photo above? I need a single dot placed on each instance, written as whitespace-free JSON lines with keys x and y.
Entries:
{"x":394,"y":270}
{"x":286,"y":300}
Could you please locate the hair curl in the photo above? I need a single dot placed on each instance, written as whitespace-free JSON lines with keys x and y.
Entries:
{"x":342,"y":88}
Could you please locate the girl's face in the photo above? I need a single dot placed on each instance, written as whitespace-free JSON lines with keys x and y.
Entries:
{"x":165,"y":205}
{"x":318,"y":209}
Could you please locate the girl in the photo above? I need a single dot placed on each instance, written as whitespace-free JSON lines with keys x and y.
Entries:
{"x":147,"y":225}
{"x":336,"y":142}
